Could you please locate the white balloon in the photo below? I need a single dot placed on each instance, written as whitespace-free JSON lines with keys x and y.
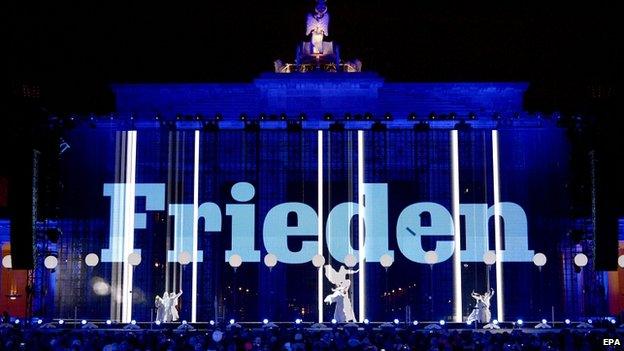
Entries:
{"x":318,"y":261}
{"x":270,"y":260}
{"x":92,"y":260}
{"x":50,"y":262}
{"x":386,"y":260}
{"x":7,"y":262}
{"x":580,"y":260}
{"x":350,"y":260}
{"x":539,"y":259}
{"x":621,"y":261}
{"x":134,"y":258}
{"x":431,"y":257}
{"x":236,"y":261}
{"x":184,"y":258}
{"x":489,"y":257}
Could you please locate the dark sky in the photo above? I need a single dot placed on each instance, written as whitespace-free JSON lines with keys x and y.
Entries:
{"x":73,"y":49}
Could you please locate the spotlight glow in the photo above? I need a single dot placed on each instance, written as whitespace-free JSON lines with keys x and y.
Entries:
{"x":83,"y":322}
{"x":61,"y":322}
{"x":442,"y":322}
{"x":39,"y":321}
{"x":468,"y":322}
{"x":334,"y":321}
{"x":157,"y":322}
{"x":590,"y":321}
{"x":415,"y":322}
{"x":265,"y":321}
{"x":567,"y":321}
{"x":212,"y":322}
{"x":133,"y":322}
{"x":17,"y":321}
{"x":543,"y":321}
{"x":612,"y":321}
{"x":366,"y":321}
{"x":396,"y":321}
{"x":232,"y":321}
{"x":495,"y":322}
{"x":184,"y":322}
{"x":519,"y":322}
{"x":298,"y":321}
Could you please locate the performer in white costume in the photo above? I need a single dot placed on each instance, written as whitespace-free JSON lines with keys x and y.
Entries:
{"x":160,"y":308}
{"x":481,"y":312}
{"x":344,"y":310}
{"x":170,"y":301}
{"x":173,"y":310}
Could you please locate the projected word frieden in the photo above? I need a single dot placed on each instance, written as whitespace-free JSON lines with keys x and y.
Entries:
{"x":415,"y":222}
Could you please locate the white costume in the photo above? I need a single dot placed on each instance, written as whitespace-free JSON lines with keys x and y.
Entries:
{"x":340,"y":295}
{"x":169,"y":307}
{"x":173,"y":309}
{"x":481,"y":312}
{"x":160,"y":308}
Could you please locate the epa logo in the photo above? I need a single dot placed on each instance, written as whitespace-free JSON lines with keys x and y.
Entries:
{"x":611,"y":342}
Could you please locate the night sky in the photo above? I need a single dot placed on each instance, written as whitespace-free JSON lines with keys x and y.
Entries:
{"x":74,"y":49}
{"x":569,"y":53}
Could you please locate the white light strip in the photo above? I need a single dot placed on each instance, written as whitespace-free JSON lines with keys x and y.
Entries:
{"x":319,"y":251}
{"x":195,"y":228}
{"x":128,"y":234}
{"x":117,"y":270}
{"x":497,"y":229}
{"x":361,"y":252}
{"x":457,"y":279}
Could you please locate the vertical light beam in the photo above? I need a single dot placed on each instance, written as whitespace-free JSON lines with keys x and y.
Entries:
{"x":497,"y":228}
{"x":319,"y":195}
{"x":195,"y":227}
{"x":128,"y":233}
{"x":361,"y":247}
{"x":457,"y":279}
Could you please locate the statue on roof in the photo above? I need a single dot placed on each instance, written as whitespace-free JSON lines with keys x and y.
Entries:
{"x":317,"y":54}
{"x":317,"y":24}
